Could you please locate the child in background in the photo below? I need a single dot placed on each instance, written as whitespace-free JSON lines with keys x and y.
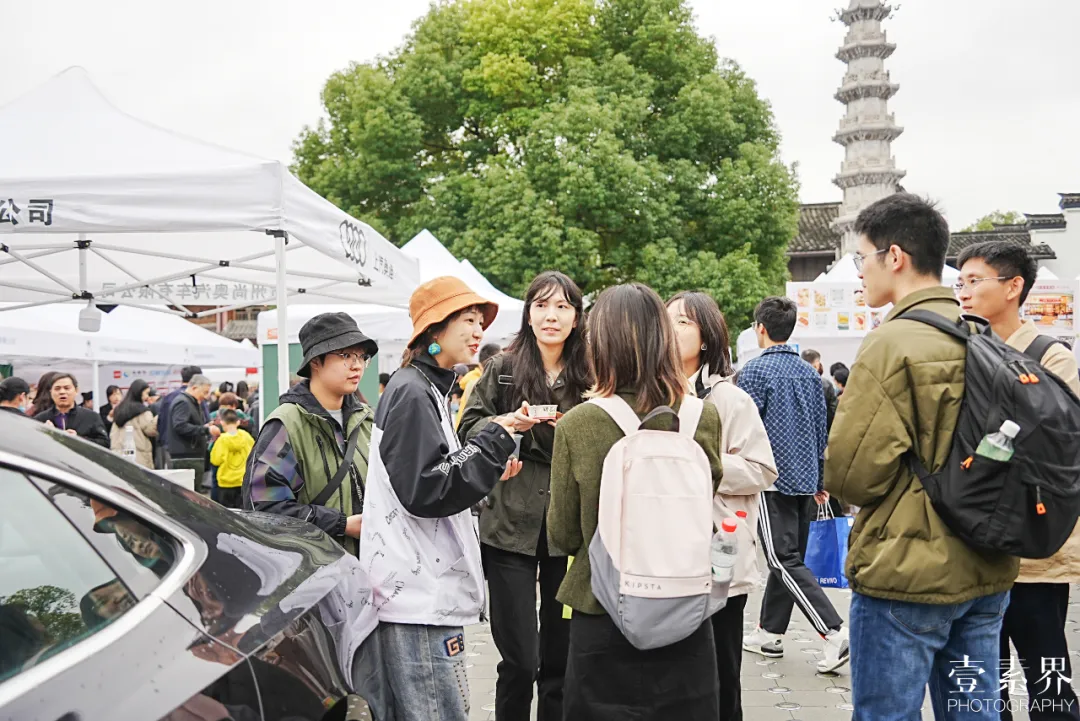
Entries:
{"x":230,"y":454}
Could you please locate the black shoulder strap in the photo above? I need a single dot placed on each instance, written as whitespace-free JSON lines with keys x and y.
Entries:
{"x":960,"y":331}
{"x":1039,"y":346}
{"x":346,"y":463}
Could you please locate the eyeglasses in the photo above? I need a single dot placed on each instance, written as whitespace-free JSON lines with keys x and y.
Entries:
{"x":972,"y":283}
{"x":860,"y":259}
{"x":352,"y":358}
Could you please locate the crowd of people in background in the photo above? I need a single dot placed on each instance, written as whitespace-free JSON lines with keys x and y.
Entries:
{"x":462,"y":498}
{"x":174,"y":431}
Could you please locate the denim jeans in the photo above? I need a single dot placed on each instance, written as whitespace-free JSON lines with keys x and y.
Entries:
{"x":424,"y":668}
{"x":897,"y":648}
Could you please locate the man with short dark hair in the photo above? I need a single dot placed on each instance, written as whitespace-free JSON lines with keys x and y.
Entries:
{"x":814,"y":359}
{"x":924,"y":604}
{"x":789,"y":397}
{"x":995,"y":279}
{"x":76,"y":420}
{"x":839,"y":373}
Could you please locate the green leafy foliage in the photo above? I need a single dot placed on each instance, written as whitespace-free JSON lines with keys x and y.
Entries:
{"x":997,"y":217}
{"x":602,"y":138}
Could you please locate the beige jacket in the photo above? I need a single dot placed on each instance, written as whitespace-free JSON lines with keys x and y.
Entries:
{"x":1063,"y":566}
{"x":749,"y":468}
{"x":145,"y":426}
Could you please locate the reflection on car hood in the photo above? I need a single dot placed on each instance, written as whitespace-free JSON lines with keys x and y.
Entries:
{"x":261,"y":572}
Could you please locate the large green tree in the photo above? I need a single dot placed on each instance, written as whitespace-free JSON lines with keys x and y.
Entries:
{"x":602,"y":138}
{"x":997,"y":217}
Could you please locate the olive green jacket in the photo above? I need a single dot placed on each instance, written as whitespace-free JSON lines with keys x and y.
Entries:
{"x":513,"y":515}
{"x":904,"y":393}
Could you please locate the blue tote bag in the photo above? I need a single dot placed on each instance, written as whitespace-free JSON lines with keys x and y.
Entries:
{"x":827,"y":546}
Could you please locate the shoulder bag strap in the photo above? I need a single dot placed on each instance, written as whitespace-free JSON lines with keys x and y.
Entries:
{"x":343,"y":469}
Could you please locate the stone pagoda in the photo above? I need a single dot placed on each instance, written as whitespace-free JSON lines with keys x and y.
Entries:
{"x":867,"y":130}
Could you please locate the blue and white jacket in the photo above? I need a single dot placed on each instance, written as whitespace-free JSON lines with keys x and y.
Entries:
{"x":787,"y":391}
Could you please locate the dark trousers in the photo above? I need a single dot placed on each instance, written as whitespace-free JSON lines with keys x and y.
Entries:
{"x":607,"y":679}
{"x":1035,"y":623}
{"x":528,"y":656}
{"x":230,"y":497}
{"x":727,"y":625}
{"x":784,"y":525}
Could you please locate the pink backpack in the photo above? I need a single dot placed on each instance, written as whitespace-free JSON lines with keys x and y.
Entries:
{"x":651,"y":568}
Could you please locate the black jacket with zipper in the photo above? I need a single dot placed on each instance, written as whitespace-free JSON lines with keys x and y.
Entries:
{"x":85,"y":422}
{"x":188,"y":435}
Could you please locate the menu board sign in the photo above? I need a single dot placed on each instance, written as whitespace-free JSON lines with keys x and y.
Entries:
{"x":1050,"y":307}
{"x":834,"y":309}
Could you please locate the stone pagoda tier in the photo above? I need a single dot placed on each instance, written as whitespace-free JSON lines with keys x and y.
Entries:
{"x":867,"y":130}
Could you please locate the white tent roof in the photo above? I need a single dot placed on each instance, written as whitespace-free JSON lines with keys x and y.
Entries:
{"x":391,"y":326}
{"x":1046,"y":274}
{"x":127,"y":335}
{"x":170,"y":220}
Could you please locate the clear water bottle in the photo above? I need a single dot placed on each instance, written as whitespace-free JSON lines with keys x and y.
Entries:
{"x":128,"y":450}
{"x":723,"y":552}
{"x":999,"y":446}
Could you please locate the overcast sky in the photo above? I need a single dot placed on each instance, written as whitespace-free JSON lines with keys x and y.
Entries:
{"x":988,"y":90}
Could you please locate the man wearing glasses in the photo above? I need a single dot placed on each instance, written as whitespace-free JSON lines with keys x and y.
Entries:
{"x":995,"y":279}
{"x":310,"y":461}
{"x":922,"y":599}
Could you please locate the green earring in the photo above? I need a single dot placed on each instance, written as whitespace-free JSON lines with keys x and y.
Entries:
{"x":434,"y":349}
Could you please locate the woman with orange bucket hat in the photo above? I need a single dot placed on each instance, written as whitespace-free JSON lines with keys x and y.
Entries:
{"x":419,"y":543}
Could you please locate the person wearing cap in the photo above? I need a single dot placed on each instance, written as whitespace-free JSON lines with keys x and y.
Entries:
{"x":420,"y":543}
{"x":299,"y":465}
{"x":14,"y":395}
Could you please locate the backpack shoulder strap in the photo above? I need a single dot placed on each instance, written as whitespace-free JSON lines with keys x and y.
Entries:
{"x":690,"y":415}
{"x":960,"y":331}
{"x":1039,"y":346}
{"x":620,"y":412}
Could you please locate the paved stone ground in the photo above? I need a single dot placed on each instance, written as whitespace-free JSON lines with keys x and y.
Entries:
{"x":788,"y":689}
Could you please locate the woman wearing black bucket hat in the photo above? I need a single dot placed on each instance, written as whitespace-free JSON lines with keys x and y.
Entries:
{"x":310,"y":461}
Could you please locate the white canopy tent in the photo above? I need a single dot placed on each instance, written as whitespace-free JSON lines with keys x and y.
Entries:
{"x":391,"y":327}
{"x":32,"y":339}
{"x":98,"y":206}
{"x":844,"y":271}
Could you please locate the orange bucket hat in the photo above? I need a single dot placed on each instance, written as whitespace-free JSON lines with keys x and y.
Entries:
{"x":439,"y":298}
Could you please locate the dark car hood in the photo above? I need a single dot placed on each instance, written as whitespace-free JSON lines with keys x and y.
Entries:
{"x":260,"y":573}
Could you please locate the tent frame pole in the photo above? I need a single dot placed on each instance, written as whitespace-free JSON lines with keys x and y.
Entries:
{"x":280,"y":239}
{"x":96,"y":384}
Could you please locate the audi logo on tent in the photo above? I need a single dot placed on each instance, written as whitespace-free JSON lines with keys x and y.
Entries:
{"x":353,"y":242}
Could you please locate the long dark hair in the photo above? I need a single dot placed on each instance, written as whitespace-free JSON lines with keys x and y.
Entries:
{"x":132,"y":405}
{"x":632,"y":345}
{"x":703,"y":310}
{"x":43,"y":400}
{"x":527,"y":365}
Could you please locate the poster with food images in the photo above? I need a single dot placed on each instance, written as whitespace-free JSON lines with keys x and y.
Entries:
{"x":1050,"y":306}
{"x":834,"y":309}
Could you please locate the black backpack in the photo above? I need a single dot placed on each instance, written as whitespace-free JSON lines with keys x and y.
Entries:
{"x":1029,"y":505}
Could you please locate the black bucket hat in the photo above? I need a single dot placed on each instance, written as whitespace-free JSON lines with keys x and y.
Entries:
{"x":331,"y":332}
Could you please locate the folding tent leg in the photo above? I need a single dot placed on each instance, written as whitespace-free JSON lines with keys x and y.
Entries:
{"x":96,"y":383}
{"x":282,"y":316}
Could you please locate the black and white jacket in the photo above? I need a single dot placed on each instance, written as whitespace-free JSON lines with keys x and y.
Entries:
{"x":420,"y":546}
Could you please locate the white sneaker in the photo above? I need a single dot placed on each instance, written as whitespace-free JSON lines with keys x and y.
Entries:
{"x":837,"y":651}
{"x":763,"y":643}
